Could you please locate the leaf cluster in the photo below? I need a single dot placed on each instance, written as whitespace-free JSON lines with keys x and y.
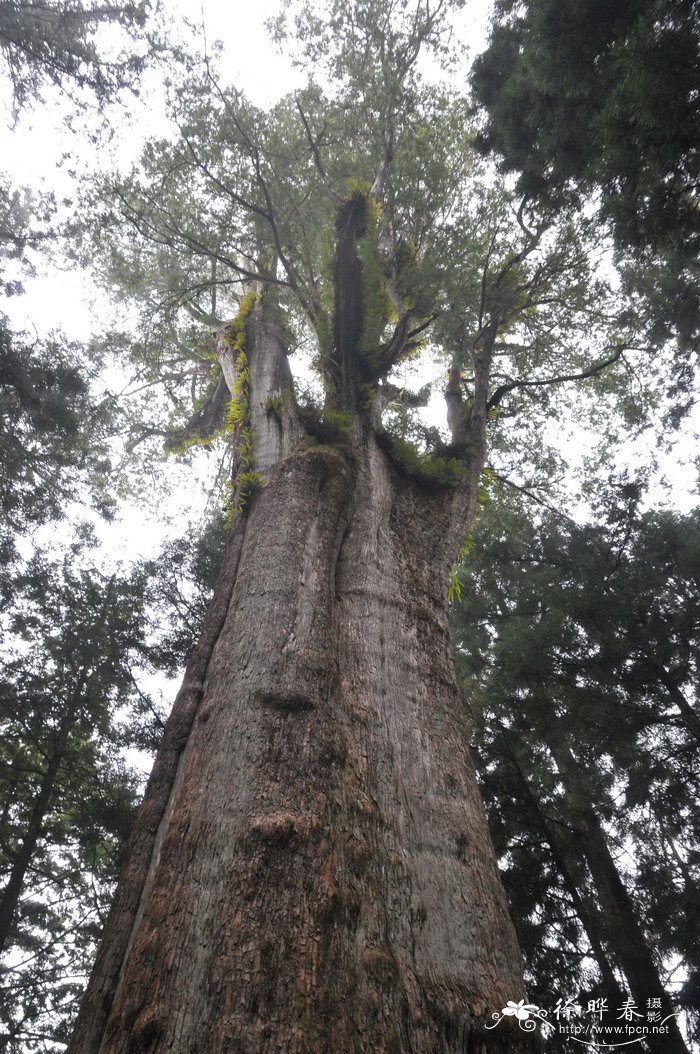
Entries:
{"x":586,"y":98}
{"x":579,"y":647}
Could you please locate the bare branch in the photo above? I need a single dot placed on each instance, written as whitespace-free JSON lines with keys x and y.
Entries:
{"x":534,"y":497}
{"x":313,"y":143}
{"x":505,"y":388}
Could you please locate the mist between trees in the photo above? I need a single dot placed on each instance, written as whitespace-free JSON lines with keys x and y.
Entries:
{"x":405,"y":350}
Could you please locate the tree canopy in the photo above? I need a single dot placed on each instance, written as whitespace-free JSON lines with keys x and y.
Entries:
{"x":357,"y":219}
{"x":588,"y":98}
{"x":439,"y":261}
{"x":55,"y":43}
{"x":578,"y":646}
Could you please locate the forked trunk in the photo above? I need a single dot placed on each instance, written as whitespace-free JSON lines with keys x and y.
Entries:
{"x":319,"y":875}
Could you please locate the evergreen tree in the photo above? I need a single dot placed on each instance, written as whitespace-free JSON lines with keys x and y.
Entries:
{"x":72,"y":641}
{"x":54,"y":42}
{"x":587,"y":98}
{"x":310,"y":866}
{"x":577,"y":645}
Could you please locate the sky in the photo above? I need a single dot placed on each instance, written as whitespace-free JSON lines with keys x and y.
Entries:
{"x":42,"y":153}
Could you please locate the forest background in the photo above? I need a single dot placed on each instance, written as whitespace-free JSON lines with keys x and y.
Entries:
{"x":575,"y":604}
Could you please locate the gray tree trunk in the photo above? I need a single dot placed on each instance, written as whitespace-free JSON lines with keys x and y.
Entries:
{"x":311,"y":869}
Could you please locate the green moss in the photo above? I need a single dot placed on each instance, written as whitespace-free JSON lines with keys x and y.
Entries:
{"x":238,"y":422}
{"x":238,"y":408}
{"x":328,"y":425}
{"x":244,"y":486}
{"x":487,"y":481}
{"x":274,"y":404}
{"x":361,"y":190}
{"x":234,"y":334}
{"x":338,"y":421}
{"x":368,"y":393}
{"x":428,"y":470}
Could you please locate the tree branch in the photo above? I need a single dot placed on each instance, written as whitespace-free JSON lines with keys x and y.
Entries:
{"x":506,"y":388}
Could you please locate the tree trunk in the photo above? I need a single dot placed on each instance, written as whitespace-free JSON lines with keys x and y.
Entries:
{"x":619,"y":917}
{"x":23,"y":857}
{"x":569,"y":864}
{"x":311,"y":869}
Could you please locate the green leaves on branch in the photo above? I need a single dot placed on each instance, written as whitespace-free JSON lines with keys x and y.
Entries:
{"x":58,"y":43}
{"x":582,"y":99}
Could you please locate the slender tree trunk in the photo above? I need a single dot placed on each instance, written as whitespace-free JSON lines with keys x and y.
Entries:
{"x":569,"y":865}
{"x":688,"y":713}
{"x":619,"y":915}
{"x":23,"y":857}
{"x":311,"y":869}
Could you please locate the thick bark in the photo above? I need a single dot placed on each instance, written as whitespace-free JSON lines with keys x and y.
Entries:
{"x":311,"y":870}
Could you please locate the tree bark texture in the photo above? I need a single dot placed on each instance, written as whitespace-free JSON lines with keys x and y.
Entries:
{"x":311,"y":869}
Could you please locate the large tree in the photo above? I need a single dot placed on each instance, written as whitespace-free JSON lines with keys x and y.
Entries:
{"x":311,"y":868}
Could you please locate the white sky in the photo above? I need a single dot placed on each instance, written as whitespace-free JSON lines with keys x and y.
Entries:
{"x":36,"y":153}
{"x":41,"y":153}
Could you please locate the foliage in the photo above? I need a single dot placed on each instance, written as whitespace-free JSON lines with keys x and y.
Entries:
{"x":327,"y":424}
{"x":50,"y":433}
{"x":241,"y":194}
{"x":584,"y":97}
{"x":582,"y":641}
{"x":76,"y":644}
{"x":75,"y":640}
{"x":72,"y":641}
{"x":423,"y":467}
{"x":56,"y":43}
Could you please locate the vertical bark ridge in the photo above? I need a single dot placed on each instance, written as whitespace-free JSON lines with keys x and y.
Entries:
{"x":98,"y":997}
{"x":243,"y":849}
{"x":323,"y":879}
{"x":311,"y":870}
{"x":434,"y":936}
{"x":277,"y":432}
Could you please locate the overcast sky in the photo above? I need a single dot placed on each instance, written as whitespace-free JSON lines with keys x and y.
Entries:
{"x":41,"y":152}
